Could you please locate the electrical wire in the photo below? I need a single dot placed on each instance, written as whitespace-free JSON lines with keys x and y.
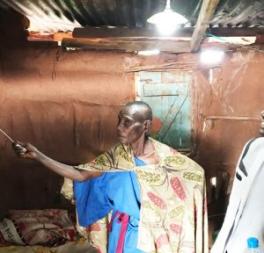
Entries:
{"x":240,"y":46}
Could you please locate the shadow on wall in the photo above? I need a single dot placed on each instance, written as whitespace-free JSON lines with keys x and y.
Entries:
{"x":27,"y":186}
{"x":71,"y":117}
{"x":59,"y":133}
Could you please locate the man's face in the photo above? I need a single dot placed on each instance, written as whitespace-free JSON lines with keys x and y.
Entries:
{"x":131,"y":125}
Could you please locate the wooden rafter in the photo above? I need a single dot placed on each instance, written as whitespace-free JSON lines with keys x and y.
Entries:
{"x":128,"y":45}
{"x":125,"y":32}
{"x":122,"y":32}
{"x":207,"y":10}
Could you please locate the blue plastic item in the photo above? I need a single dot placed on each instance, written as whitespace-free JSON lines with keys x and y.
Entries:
{"x":252,"y":242}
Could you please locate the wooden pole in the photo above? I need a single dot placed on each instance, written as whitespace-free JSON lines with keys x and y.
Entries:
{"x":205,"y":15}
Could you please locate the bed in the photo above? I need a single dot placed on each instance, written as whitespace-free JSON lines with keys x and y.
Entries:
{"x":41,"y":231}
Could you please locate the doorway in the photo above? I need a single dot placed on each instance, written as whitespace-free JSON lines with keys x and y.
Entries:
{"x":168,"y":93}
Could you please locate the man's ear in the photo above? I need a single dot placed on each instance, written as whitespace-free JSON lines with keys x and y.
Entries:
{"x":147,"y":126}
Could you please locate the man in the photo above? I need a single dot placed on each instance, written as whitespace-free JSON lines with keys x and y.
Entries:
{"x":245,"y":212}
{"x":156,"y":195}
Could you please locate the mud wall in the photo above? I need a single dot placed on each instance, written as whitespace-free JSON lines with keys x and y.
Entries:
{"x":229,"y":100}
{"x":66,"y":104}
{"x":226,"y":104}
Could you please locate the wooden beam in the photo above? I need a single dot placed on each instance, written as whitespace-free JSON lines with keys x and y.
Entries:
{"x":236,"y":31}
{"x":59,"y":36}
{"x":123,"y":32}
{"x":206,"y":12}
{"x":128,"y":45}
{"x":142,"y":33}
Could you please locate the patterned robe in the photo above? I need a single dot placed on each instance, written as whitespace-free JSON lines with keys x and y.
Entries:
{"x":173,"y":214}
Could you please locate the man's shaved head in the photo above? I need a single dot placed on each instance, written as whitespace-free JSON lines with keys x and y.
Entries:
{"x":139,"y":110}
{"x":134,"y":122}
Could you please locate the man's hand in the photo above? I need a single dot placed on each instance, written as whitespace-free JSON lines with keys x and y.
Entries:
{"x":25,"y":150}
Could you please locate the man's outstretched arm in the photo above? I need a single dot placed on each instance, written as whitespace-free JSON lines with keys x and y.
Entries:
{"x":31,"y":152}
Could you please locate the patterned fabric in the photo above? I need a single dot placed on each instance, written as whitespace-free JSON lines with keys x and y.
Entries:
{"x":48,"y":227}
{"x":173,"y":215}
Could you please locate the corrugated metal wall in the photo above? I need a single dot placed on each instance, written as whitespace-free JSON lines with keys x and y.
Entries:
{"x":52,"y":16}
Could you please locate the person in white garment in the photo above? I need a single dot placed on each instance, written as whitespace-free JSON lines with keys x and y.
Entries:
{"x":245,"y":212}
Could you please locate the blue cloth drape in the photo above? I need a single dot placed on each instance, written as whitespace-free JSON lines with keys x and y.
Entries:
{"x":112,"y":191}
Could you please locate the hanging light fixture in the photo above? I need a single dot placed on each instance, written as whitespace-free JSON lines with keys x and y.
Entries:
{"x":168,"y":20}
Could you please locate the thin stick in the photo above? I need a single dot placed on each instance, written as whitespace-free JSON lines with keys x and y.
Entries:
{"x":6,"y":135}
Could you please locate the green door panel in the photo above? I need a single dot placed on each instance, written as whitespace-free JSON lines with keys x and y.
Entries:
{"x":168,"y":95}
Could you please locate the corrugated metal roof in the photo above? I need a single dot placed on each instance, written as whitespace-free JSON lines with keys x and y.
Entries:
{"x":64,"y":15}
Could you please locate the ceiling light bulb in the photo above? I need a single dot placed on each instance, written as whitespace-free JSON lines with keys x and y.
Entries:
{"x":168,"y":20}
